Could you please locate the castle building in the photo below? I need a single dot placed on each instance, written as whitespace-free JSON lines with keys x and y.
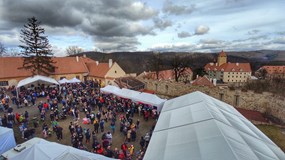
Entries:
{"x":227,"y":72}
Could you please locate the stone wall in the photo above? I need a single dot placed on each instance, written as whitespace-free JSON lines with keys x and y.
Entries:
{"x":265,"y":102}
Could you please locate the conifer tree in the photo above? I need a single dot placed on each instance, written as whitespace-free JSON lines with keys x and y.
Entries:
{"x":36,"y":49}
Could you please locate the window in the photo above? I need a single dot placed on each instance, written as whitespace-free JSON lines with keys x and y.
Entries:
{"x":236,"y":100}
{"x":4,"y":83}
{"x":221,"y":96}
{"x":115,"y":71}
{"x":78,"y":77}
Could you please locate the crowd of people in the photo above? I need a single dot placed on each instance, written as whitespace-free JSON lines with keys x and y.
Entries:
{"x":83,"y":105}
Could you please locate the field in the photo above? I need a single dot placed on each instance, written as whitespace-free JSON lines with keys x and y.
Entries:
{"x":276,"y":134}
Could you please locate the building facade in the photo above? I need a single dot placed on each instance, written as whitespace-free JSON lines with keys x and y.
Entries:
{"x":82,"y":68}
{"x":271,"y":72}
{"x":227,"y":72}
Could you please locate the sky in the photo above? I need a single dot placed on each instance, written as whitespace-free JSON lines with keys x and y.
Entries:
{"x":149,"y":25}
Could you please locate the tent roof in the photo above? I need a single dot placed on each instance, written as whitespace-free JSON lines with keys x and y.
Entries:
{"x":7,"y":139}
{"x":110,"y":89}
{"x":148,"y":98}
{"x":38,"y":148}
{"x":74,"y":80}
{"x":37,"y":78}
{"x":127,"y":93}
{"x":64,"y":80}
{"x":197,"y":126}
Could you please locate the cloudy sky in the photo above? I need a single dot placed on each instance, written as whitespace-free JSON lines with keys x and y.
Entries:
{"x":149,"y":25}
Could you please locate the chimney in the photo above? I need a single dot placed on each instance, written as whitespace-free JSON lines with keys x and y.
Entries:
{"x":97,"y":63}
{"x":77,"y":59}
{"x":215,"y":81}
{"x":197,"y":76}
{"x":216,"y":64}
{"x":84,"y":55}
{"x":237,"y":64}
{"x":110,"y":63}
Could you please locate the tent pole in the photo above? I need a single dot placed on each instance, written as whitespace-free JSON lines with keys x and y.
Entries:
{"x":17,"y":92}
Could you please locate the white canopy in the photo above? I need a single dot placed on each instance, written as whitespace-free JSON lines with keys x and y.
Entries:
{"x":74,"y":80}
{"x":7,"y":139}
{"x":197,"y":126}
{"x":37,"y":79}
{"x":64,"y":80}
{"x":127,"y":93}
{"x":151,"y":99}
{"x":37,"y":148}
{"x":110,"y":89}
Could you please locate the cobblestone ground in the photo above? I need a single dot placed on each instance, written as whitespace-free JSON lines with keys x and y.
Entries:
{"x":118,"y":137}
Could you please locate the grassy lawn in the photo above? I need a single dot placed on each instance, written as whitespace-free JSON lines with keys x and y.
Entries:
{"x":275,"y":134}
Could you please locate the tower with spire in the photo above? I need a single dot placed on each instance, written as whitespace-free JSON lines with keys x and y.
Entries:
{"x":222,"y":58}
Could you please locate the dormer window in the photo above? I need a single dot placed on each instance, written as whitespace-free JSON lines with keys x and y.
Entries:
{"x":233,"y":69}
{"x":240,"y":70}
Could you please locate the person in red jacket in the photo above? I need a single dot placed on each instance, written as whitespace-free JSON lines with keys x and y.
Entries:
{"x":121,"y":155}
{"x":124,"y":148}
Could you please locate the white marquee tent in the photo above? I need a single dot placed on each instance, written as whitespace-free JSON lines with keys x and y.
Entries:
{"x":7,"y":139}
{"x":197,"y":126}
{"x":127,"y":93}
{"x":110,"y":89}
{"x":135,"y":96}
{"x":63,"y":81}
{"x":151,"y":99}
{"x":74,"y":80}
{"x":38,"y":148}
{"x":37,"y":79}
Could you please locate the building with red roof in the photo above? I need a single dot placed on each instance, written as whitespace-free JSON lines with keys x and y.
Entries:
{"x":82,"y":68}
{"x":272,"y":71}
{"x":228,"y":72}
{"x":168,"y":75}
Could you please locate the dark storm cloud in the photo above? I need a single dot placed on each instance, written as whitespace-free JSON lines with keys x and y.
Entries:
{"x":106,"y":18}
{"x":161,"y":24}
{"x":184,"y":34}
{"x":171,"y":8}
{"x":117,"y":43}
{"x":52,"y":13}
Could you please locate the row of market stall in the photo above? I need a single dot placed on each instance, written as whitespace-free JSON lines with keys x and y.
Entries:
{"x":135,"y":96}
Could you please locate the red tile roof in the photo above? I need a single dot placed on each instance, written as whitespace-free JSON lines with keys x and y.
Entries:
{"x":274,"y":69}
{"x":165,"y":74}
{"x":202,"y":81}
{"x":228,"y":67}
{"x":99,"y":70}
{"x":252,"y":115}
{"x":65,"y":65}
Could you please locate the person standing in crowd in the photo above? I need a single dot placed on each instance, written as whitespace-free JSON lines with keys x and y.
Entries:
{"x":96,"y":126}
{"x":102,"y":125}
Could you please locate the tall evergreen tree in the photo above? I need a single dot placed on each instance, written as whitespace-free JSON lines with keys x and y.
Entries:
{"x":36,"y":49}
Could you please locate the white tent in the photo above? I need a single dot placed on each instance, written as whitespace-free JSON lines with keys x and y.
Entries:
{"x":63,"y":81}
{"x":74,"y":80}
{"x":197,"y":126}
{"x":7,"y":139}
{"x":37,"y":148}
{"x":37,"y":80}
{"x":127,"y":93}
{"x":151,"y":99}
{"x":110,"y":89}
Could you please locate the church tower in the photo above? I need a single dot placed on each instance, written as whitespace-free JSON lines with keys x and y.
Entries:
{"x":222,"y":58}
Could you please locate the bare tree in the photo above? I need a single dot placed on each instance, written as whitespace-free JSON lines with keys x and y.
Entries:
{"x":179,"y":65}
{"x":72,"y":50}
{"x":155,"y":63}
{"x":2,"y":49}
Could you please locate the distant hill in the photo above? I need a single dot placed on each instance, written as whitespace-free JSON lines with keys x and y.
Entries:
{"x":137,"y":62}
